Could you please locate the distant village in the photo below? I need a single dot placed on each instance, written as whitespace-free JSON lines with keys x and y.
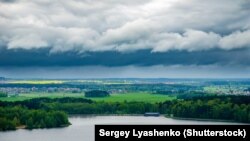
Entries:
{"x":156,"y":88}
{"x":19,"y":90}
{"x":15,"y":91}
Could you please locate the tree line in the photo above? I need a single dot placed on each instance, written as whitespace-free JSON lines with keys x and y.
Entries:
{"x":19,"y":116}
{"x":46,"y":112}
{"x":207,"y":109}
{"x":96,"y":93}
{"x":2,"y":94}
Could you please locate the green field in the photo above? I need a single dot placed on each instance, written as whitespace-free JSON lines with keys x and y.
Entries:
{"x":142,"y":97}
{"x":35,"y":82}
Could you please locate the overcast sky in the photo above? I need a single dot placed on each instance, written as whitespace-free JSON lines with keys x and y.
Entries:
{"x":117,"y":38}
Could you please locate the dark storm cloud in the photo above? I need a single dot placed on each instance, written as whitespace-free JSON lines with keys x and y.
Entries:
{"x":125,"y":26}
{"x":117,"y":38}
{"x":42,"y":57}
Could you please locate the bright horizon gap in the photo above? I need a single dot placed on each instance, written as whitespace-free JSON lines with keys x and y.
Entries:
{"x":117,"y":78}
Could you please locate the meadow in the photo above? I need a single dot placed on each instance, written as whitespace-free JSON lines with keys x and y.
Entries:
{"x":139,"y":97}
{"x":36,"y":81}
{"x":129,"y":97}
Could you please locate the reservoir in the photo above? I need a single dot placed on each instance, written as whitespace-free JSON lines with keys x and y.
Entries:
{"x":82,"y":128}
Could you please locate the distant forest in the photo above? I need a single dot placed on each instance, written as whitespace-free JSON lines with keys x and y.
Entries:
{"x":47,"y":113}
{"x":96,"y":93}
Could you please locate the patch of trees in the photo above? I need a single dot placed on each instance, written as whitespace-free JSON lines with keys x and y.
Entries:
{"x":12,"y":117}
{"x":241,"y":99}
{"x":2,"y":94}
{"x":193,"y":95}
{"x":103,"y":107}
{"x":165,"y":92}
{"x":208,"y":108}
{"x":36,"y":103}
{"x":96,"y":93}
{"x":6,"y":124}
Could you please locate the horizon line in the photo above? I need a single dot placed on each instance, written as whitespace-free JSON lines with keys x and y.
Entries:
{"x":117,"y":78}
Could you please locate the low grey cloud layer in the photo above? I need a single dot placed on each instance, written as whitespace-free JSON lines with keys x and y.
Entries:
{"x":125,"y":26}
{"x":124,"y":38}
{"x":42,"y":57}
{"x":174,"y":71}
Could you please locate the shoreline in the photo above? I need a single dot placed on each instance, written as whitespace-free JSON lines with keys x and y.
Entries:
{"x":25,"y":127}
{"x":176,"y":118}
{"x":205,"y":119}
